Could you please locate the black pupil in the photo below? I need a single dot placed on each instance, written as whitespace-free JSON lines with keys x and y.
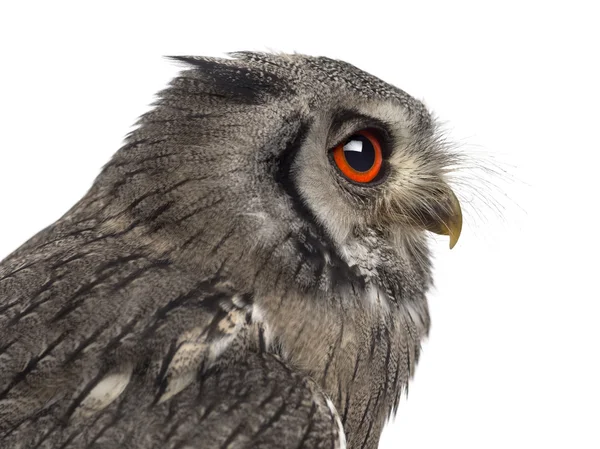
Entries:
{"x":359,"y":160}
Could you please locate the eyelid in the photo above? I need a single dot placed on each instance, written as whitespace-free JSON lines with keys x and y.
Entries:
{"x":382,"y":134}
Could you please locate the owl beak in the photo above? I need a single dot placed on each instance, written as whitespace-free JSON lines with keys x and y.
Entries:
{"x":444,"y":217}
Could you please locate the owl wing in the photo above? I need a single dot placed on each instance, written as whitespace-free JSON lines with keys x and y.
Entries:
{"x":256,"y":403}
{"x":97,"y":339}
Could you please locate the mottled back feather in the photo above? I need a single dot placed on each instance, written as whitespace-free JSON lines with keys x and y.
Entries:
{"x":221,"y":284}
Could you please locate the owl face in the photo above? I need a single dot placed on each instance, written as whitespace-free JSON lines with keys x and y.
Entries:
{"x":261,"y":149}
{"x":369,"y":164}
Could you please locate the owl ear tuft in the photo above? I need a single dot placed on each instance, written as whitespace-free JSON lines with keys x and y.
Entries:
{"x":236,"y":78}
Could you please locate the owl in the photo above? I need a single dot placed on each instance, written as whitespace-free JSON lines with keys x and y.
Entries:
{"x":249,"y":270}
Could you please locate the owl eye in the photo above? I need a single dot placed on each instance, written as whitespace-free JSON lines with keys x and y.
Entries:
{"x":359,"y":158}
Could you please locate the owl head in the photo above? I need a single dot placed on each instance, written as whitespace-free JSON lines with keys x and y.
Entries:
{"x":272,"y":155}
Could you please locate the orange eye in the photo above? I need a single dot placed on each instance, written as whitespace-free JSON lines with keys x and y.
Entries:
{"x":360,"y":158}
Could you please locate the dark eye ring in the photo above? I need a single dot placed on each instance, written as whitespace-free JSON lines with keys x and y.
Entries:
{"x":360,"y":157}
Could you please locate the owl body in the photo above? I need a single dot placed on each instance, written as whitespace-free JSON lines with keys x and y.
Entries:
{"x":224,"y":283}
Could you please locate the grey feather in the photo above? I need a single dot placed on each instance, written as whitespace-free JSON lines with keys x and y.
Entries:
{"x":222,"y":284}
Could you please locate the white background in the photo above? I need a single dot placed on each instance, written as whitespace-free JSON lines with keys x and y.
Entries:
{"x":513,"y":357}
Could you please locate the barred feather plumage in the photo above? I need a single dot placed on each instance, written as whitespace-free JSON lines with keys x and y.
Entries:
{"x":221,"y":284}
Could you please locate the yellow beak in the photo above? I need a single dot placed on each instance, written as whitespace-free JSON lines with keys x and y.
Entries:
{"x":447,"y":219}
